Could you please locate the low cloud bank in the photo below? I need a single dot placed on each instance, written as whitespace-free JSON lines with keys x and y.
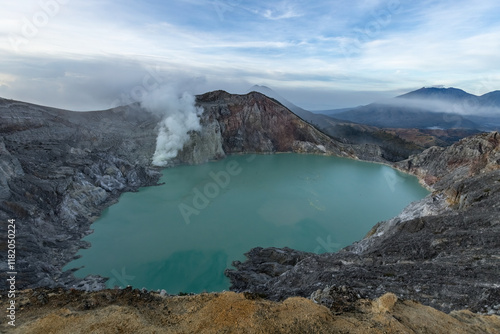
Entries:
{"x":470,"y":106}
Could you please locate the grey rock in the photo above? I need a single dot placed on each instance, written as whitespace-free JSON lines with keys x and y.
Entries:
{"x":58,"y":171}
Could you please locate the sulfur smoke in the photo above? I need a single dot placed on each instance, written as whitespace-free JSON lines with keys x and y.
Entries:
{"x":179,"y":116}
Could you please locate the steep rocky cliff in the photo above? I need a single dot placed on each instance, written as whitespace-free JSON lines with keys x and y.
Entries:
{"x":440,"y":166}
{"x":442,"y":250}
{"x":254,"y":123}
{"x":58,"y":171}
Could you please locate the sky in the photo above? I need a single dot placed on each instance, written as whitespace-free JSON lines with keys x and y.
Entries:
{"x":96,"y":54}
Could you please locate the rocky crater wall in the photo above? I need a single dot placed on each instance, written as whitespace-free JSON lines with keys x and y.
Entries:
{"x":60,"y":169}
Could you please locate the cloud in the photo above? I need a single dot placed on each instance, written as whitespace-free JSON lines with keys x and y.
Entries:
{"x":281,"y":12}
{"x":85,"y":58}
{"x":179,"y":116}
{"x":466,"y":106}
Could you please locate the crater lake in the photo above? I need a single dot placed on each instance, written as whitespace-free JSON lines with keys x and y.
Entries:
{"x":182,"y":235}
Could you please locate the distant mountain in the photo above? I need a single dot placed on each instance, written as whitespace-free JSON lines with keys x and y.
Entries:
{"x":491,"y":99}
{"x":457,"y":96}
{"x":441,"y":94}
{"x":441,"y":108}
{"x":395,"y":140}
{"x":332,"y":112}
{"x":392,"y":147}
{"x":400,"y":116}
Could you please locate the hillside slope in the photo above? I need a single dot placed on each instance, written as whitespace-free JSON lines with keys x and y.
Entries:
{"x":392,"y":147}
{"x":444,"y":108}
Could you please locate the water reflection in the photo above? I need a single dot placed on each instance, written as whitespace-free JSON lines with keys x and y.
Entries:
{"x":313,"y":203}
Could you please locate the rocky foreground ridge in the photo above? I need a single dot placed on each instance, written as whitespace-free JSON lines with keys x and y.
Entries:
{"x":60,"y":169}
{"x":59,"y":311}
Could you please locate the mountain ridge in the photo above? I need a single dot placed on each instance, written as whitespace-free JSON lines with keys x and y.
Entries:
{"x":447,"y":108}
{"x":301,"y":112}
{"x":449,"y":93}
{"x":392,"y":146}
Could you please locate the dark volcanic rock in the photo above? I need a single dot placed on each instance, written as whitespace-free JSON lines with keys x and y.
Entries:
{"x":470,"y":156}
{"x":442,"y":250}
{"x":59,"y":169}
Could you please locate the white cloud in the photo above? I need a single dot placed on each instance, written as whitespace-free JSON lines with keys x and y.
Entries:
{"x":92,"y":51}
{"x":280,"y":14}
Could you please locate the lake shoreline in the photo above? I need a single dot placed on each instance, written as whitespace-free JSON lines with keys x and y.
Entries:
{"x":318,"y":211}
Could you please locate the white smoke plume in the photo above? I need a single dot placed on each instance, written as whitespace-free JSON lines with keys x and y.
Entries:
{"x":179,"y":116}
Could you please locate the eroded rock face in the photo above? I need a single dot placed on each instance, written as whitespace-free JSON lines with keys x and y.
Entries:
{"x":467,"y":158}
{"x":58,"y":171}
{"x":254,"y":123}
{"x":441,"y":251}
{"x":204,"y":145}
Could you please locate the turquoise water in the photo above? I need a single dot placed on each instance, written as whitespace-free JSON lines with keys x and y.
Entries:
{"x":182,"y":235}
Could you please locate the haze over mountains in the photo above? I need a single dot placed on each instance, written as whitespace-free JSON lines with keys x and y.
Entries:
{"x":425,"y":108}
{"x":406,"y":124}
{"x":444,"y":108}
{"x":392,"y":148}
